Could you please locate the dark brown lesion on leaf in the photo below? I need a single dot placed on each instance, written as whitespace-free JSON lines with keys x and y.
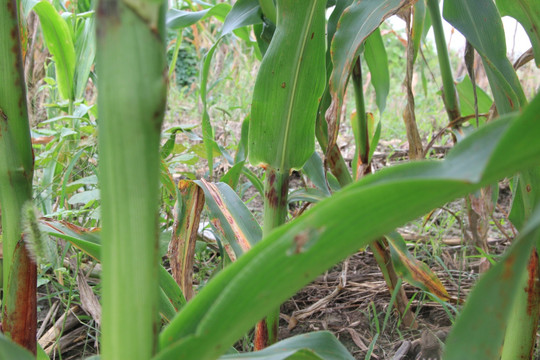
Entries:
{"x":11,"y":6}
{"x":533,"y":285}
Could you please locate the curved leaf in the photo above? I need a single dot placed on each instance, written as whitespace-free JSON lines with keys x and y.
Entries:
{"x":243,"y":13}
{"x":316,"y":345}
{"x":357,"y":22}
{"x":479,"y":330}
{"x":85,"y":47}
{"x":480,"y":22}
{"x":58,"y":39}
{"x":239,"y":226}
{"x":377,"y":62}
{"x":297,"y":252}
{"x":527,"y":12}
{"x":288,"y":87}
{"x":414,"y":271}
{"x":179,"y":19}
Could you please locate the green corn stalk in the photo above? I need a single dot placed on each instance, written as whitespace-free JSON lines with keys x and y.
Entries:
{"x":132,"y":82}
{"x":19,"y":312}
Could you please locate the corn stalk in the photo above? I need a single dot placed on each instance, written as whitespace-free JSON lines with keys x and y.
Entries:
{"x":132,"y":93}
{"x":19,"y":313}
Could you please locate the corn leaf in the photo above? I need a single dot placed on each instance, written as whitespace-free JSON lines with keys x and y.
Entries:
{"x":11,"y":350}
{"x":321,"y":345}
{"x":419,"y":18}
{"x":355,"y":25}
{"x":288,"y":87}
{"x":414,"y":271}
{"x":480,"y":327}
{"x":186,"y":224}
{"x":488,"y":39}
{"x":179,"y":19}
{"x":59,"y":41}
{"x":240,"y":228}
{"x":466,"y":97}
{"x":85,"y":48}
{"x":294,"y":254}
{"x":377,"y":62}
{"x":527,"y":12}
{"x":243,"y":13}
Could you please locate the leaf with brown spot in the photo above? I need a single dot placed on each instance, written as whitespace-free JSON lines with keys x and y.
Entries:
{"x":239,"y":227}
{"x":185,"y":228}
{"x":414,"y":271}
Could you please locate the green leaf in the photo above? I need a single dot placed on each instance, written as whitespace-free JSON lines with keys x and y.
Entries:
{"x":356,"y":24}
{"x":238,"y":224}
{"x":466,"y":97}
{"x":419,"y":18}
{"x":309,"y":194}
{"x":232,"y":176}
{"x":288,"y":87}
{"x":58,"y":39}
{"x":243,"y":13}
{"x":84,"y":197}
{"x":316,"y":345}
{"x":377,"y":62}
{"x":488,"y":39}
{"x":527,"y":12}
{"x":85,"y":48}
{"x":179,"y":19}
{"x":294,"y":254}
{"x":480,"y":327}
{"x":314,"y":169}
{"x":11,"y":350}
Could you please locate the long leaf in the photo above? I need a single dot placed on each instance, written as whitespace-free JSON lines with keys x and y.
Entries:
{"x":85,"y":47}
{"x":488,"y":39}
{"x":312,"y":346}
{"x":377,"y":62}
{"x":186,"y":224}
{"x":296,"y":253}
{"x":179,"y":19}
{"x":357,"y":22}
{"x":288,"y":87}
{"x":240,"y":228}
{"x":479,"y":330}
{"x":59,"y":41}
{"x":527,"y":12}
{"x":414,"y":271}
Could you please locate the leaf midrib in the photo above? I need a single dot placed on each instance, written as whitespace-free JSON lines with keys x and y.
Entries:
{"x":294,"y":90}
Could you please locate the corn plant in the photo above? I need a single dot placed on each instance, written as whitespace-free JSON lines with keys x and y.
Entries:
{"x":290,"y":109}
